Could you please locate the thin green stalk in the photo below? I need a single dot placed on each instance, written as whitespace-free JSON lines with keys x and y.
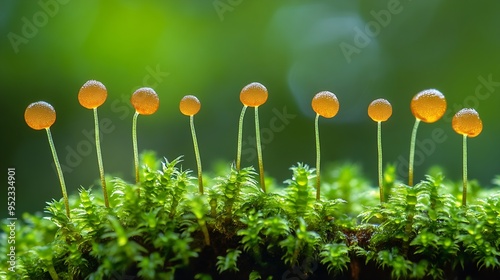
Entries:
{"x":240,"y":136}
{"x":464,"y":189}
{"x":53,"y":272}
{"x":318,"y":180}
{"x":197,"y":154}
{"x":59,"y":171}
{"x":379,"y":149}
{"x":204,"y":229}
{"x":412,"y":152}
{"x":134,"y":143}
{"x":259,"y":150}
{"x":99,"y":158}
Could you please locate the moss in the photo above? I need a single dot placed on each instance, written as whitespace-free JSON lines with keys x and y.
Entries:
{"x":236,"y":231}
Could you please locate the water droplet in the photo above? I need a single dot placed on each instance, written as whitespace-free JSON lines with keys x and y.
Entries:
{"x":40,"y":115}
{"x":145,"y":101}
{"x":92,"y":94}
{"x":253,"y":95}
{"x":428,"y":105}
{"x":380,"y":110}
{"x":190,"y":105}
{"x":467,"y":122}
{"x":325,"y":104}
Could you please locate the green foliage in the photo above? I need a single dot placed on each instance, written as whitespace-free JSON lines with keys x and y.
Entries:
{"x":346,"y":182}
{"x":481,"y":235}
{"x":300,"y":192}
{"x":162,"y":228}
{"x":227,"y":191}
{"x":300,"y":244}
{"x":430,"y":231}
{"x":335,"y":256}
{"x":252,"y":238}
{"x":229,"y":261}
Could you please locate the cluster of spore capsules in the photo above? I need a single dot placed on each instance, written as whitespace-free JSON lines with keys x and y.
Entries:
{"x":427,"y":106}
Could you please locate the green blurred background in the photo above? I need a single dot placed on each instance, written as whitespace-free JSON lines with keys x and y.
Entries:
{"x":360,"y":50}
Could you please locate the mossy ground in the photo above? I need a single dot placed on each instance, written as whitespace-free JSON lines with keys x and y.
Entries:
{"x":163,"y":228}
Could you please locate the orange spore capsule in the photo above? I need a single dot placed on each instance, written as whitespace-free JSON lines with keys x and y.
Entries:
{"x":92,"y":94}
{"x":253,"y":95}
{"x":325,"y":104}
{"x":145,"y":101}
{"x":467,"y":122}
{"x":40,"y":115}
{"x":190,"y":105}
{"x":380,"y":110}
{"x":428,"y":105}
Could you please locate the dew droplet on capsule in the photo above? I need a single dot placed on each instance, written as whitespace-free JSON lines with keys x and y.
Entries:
{"x":145,"y":101}
{"x":253,"y":95}
{"x":428,"y":105}
{"x":325,"y":104}
{"x":190,"y":105}
{"x":40,"y":115}
{"x":92,"y":94}
{"x":467,"y":122}
{"x":380,"y":110}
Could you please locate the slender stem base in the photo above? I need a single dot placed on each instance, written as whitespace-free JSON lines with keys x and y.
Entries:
{"x":379,"y":151}
{"x":99,"y":158}
{"x":412,"y":152}
{"x":134,"y":143}
{"x":259,"y":150}
{"x":197,"y":155}
{"x":240,"y":136}
{"x":464,"y":189}
{"x":59,"y":171}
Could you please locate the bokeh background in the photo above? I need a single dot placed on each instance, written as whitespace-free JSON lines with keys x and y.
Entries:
{"x":360,"y":50}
